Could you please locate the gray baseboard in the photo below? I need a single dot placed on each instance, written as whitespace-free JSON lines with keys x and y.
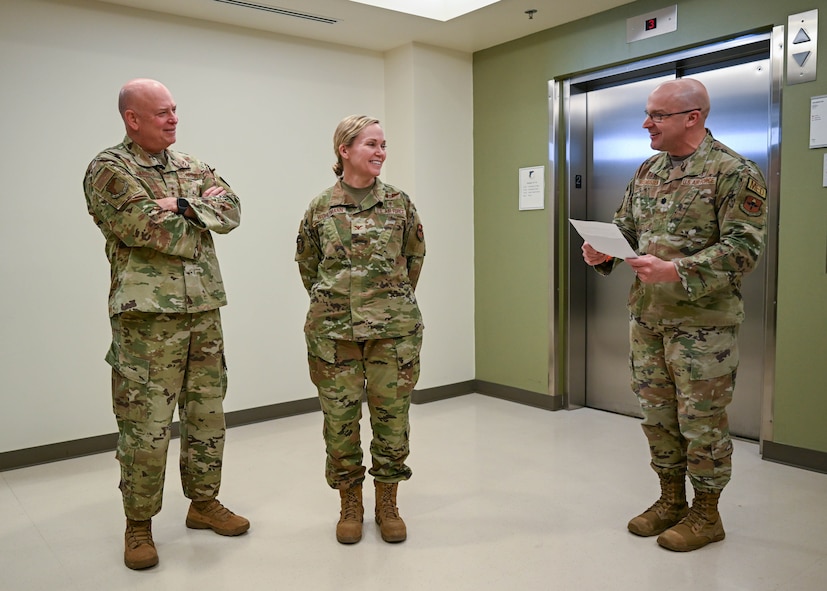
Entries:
{"x":774,"y":452}
{"x":65,"y":450}
{"x":442,"y":392}
{"x":488,"y":389}
{"x":794,"y":456}
{"x":518,"y":395}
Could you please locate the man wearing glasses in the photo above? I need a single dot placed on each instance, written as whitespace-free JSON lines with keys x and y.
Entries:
{"x":695,"y":213}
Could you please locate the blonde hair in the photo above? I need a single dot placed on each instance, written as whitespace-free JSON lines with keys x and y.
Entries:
{"x":347,"y":131}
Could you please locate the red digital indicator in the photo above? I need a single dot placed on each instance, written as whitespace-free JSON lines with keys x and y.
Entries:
{"x":651,"y":24}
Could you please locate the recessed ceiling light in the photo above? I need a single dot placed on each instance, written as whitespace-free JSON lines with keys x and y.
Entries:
{"x":439,"y":10}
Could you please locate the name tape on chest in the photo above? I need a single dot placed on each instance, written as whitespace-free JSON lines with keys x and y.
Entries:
{"x":647,"y":182}
{"x":706,"y":180}
{"x":391,"y":211}
{"x":318,"y":219}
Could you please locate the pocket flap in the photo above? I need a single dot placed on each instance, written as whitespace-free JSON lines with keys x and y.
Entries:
{"x":132,"y":368}
{"x":408,"y":348}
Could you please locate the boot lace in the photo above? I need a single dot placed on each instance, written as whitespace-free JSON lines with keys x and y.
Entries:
{"x":388,"y":506}
{"x":139,"y":535}
{"x":660,"y":507}
{"x":350,"y":508}
{"x":695,"y":519}
{"x":698,"y":516}
{"x":214,"y":509}
{"x":672,"y":497}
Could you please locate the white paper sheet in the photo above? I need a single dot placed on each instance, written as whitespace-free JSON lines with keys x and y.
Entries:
{"x":604,"y":237}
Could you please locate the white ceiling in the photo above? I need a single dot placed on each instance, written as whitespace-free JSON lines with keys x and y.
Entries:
{"x":379,"y":29}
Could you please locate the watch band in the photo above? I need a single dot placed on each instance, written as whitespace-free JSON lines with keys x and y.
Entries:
{"x":183,"y":205}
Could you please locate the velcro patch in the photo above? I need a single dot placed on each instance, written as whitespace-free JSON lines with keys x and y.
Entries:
{"x":752,"y":205}
{"x":116,"y":188}
{"x":757,"y":188}
{"x":708,"y":180}
{"x":112,"y":188}
{"x":318,"y":219}
{"x":104,"y":176}
{"x":392,"y":211}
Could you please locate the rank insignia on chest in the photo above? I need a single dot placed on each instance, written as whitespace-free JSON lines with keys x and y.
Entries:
{"x":358,"y":227}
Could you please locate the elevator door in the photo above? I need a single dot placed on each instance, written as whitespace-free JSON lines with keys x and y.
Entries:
{"x":615,"y":144}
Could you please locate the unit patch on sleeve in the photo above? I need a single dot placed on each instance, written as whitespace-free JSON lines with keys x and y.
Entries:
{"x":753,"y":203}
{"x":112,"y":187}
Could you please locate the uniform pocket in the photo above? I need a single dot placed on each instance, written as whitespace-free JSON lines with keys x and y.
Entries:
{"x":718,"y":356}
{"x":130,"y":376}
{"x":322,"y":348}
{"x":408,"y":348}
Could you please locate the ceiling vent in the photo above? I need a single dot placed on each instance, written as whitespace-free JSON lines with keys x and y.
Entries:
{"x":281,"y":11}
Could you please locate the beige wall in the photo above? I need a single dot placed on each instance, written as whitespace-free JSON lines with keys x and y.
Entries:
{"x":261,"y":109}
{"x":428,"y":106}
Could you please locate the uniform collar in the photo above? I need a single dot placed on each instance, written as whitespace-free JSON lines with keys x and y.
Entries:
{"x":340,"y":196}
{"x":692,"y":166}
{"x":147,"y":160}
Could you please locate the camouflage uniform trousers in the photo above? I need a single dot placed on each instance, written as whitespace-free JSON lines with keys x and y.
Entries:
{"x":684,"y":378}
{"x":160,"y":361}
{"x":381,"y":368}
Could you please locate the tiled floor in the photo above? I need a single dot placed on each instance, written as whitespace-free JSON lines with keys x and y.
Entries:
{"x":504,"y":497}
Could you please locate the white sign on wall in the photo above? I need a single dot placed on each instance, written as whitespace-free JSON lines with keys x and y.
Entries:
{"x":532,"y":187}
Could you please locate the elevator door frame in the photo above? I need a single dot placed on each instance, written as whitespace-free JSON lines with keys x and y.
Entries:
{"x":566,"y":368}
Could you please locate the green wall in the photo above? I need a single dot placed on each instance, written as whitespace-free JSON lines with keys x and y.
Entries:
{"x":512,"y":262}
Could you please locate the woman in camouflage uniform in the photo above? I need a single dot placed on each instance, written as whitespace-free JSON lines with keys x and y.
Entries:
{"x":360,"y":250}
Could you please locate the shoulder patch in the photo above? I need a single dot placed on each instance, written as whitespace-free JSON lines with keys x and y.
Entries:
{"x":754,"y":197}
{"x":757,"y":188}
{"x":112,"y":188}
{"x":116,"y":188}
{"x":103,"y":177}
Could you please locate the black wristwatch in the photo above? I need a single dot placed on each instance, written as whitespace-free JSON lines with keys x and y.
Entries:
{"x":183,"y":206}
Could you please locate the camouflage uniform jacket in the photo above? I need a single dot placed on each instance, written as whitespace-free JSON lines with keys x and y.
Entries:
{"x":161,"y":262}
{"x":360,"y":264}
{"x":707,"y":215}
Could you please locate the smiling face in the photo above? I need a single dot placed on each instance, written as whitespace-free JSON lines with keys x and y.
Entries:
{"x":149,"y":113}
{"x":362,"y":160}
{"x":681,"y":132}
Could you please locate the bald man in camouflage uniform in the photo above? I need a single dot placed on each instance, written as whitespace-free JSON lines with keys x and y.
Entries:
{"x":157,"y":210}
{"x":360,"y":249}
{"x":696,"y":213}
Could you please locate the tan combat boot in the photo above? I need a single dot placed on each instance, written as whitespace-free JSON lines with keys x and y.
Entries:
{"x":387,"y":515}
{"x":139,"y":549}
{"x":215,"y":516}
{"x":349,"y":528}
{"x":700,"y":527}
{"x":668,"y":510}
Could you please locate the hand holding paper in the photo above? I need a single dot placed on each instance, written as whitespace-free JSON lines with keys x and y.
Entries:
{"x":604,"y":237}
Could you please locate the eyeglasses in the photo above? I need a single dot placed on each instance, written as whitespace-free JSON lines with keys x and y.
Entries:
{"x":658,"y":117}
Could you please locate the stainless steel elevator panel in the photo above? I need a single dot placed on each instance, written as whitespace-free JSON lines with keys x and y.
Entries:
{"x":604,"y":150}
